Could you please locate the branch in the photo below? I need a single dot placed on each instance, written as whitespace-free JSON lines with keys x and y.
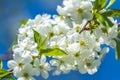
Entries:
{"x":86,"y":27}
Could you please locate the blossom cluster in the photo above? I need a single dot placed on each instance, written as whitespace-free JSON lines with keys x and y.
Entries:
{"x":68,"y":32}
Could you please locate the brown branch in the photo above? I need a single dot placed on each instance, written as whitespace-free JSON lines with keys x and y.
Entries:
{"x":86,"y":26}
{"x":11,"y":70}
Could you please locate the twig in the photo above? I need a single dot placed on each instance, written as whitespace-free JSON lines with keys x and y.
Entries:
{"x":86,"y":26}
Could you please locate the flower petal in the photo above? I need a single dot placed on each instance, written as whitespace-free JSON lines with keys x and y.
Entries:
{"x":11,"y":64}
{"x":44,"y":74}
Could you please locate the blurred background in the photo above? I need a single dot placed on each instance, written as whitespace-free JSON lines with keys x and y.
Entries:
{"x":13,"y":11}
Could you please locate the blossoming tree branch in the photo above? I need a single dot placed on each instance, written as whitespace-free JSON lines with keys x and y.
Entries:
{"x":71,"y":39}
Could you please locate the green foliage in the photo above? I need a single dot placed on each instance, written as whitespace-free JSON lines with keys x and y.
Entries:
{"x":102,"y":17}
{"x":1,"y":64}
{"x":43,"y":43}
{"x":104,"y":20}
{"x":46,"y":51}
{"x":99,"y":4}
{"x":10,"y":77}
{"x":38,"y":39}
{"x":117,"y":40}
{"x":52,"y":52}
{"x":102,"y":3}
{"x":4,"y":73}
{"x":110,"y":3}
{"x":23,"y":22}
{"x":112,"y":13}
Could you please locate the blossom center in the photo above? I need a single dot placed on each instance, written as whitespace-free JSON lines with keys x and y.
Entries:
{"x":20,"y":64}
{"x":77,"y":54}
{"x":51,"y":34}
{"x":79,"y":10}
{"x":77,"y":28}
{"x":61,"y":62}
{"x":26,"y":75}
{"x":41,"y":67}
{"x":88,"y":64}
{"x":26,"y":47}
{"x":82,"y":43}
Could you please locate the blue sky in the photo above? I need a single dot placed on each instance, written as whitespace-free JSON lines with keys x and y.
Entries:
{"x":11,"y":12}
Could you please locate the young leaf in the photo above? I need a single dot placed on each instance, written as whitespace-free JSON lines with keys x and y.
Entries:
{"x":110,"y":3}
{"x":99,"y":4}
{"x":112,"y":13}
{"x":4,"y":73}
{"x":10,"y":78}
{"x":1,"y":64}
{"x":52,"y":52}
{"x":37,"y":37}
{"x":102,"y":3}
{"x":43,"y":42}
{"x":38,"y":40}
{"x":96,"y":5}
{"x":104,"y":20}
{"x":23,"y":22}
{"x":117,"y":40}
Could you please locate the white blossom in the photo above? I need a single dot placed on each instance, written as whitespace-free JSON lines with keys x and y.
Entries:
{"x":27,"y":73}
{"x":19,"y":62}
{"x":71,"y":33}
{"x":42,"y":66}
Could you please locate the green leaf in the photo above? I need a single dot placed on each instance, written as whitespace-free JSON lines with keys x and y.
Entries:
{"x":43,"y":43}
{"x":96,"y":5}
{"x":38,"y":39}
{"x":1,"y":64}
{"x":99,"y":4}
{"x":102,"y":3}
{"x":110,"y":3}
{"x":4,"y":73}
{"x":112,"y":13}
{"x":52,"y":52}
{"x":104,"y":20}
{"x":117,"y":40}
{"x":24,"y":21}
{"x":10,"y":78}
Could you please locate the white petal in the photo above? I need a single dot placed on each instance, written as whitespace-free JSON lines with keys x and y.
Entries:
{"x":57,"y":72}
{"x":21,"y":78}
{"x":92,"y":71}
{"x":37,"y":62}
{"x":45,"y":74}
{"x":43,"y":59}
{"x":11,"y":64}
{"x":47,"y":66}
{"x":17,"y":72}
{"x":82,"y":70}
{"x":17,"y":57}
{"x":54,"y":63}
{"x":27,"y":58}
{"x":28,"y":68}
{"x":62,"y":67}
{"x":35,"y":71}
